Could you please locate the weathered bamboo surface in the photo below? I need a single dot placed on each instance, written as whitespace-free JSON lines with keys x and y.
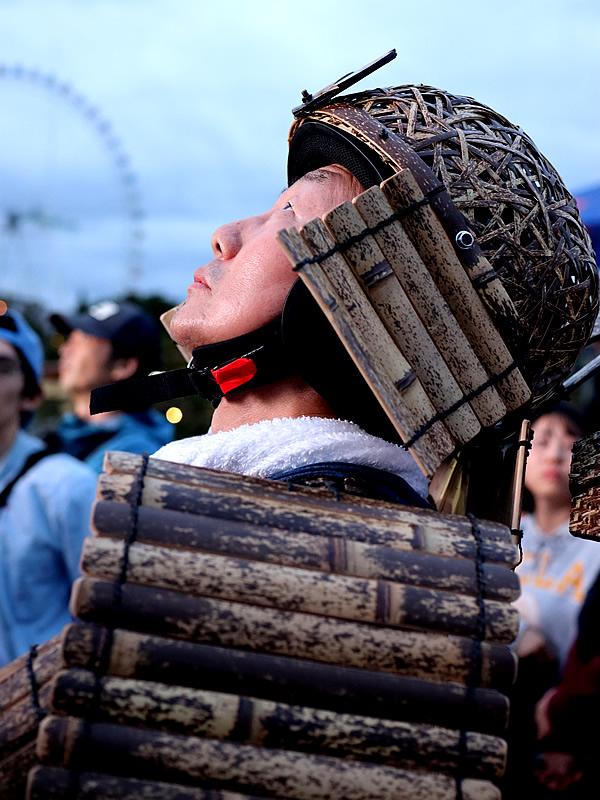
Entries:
{"x":585,"y":463}
{"x":240,"y":718}
{"x":309,"y":501}
{"x":71,"y":742}
{"x":269,"y":505}
{"x":584,"y":521}
{"x":19,"y":723}
{"x":451,"y":278}
{"x":14,"y":769}
{"x":248,"y":638}
{"x":167,"y":613}
{"x":19,"y":714}
{"x":584,"y":484}
{"x":412,"y":311}
{"x":437,"y":316}
{"x":128,"y":654}
{"x":400,"y":318}
{"x":389,"y":375}
{"x":403,"y":562}
{"x":62,"y":784}
{"x":290,"y":589}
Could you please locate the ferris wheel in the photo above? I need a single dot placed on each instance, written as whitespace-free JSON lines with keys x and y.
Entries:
{"x":71,"y":218}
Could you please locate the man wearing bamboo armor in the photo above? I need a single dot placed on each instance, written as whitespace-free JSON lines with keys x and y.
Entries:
{"x":425,"y":313}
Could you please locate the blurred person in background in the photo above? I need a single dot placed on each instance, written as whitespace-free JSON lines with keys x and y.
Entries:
{"x":557,"y":569}
{"x":565,"y":715}
{"x":556,"y":573}
{"x":109,"y":342}
{"x":45,"y":503}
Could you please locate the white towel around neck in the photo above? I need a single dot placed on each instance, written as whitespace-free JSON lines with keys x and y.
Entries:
{"x":272,"y":446}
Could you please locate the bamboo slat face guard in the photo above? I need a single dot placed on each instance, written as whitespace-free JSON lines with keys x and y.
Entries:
{"x":474,"y":252}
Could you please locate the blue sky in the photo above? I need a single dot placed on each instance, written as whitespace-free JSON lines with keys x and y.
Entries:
{"x":199,"y":95}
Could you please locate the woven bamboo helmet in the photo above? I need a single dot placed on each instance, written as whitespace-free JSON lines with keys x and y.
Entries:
{"x":515,"y":203}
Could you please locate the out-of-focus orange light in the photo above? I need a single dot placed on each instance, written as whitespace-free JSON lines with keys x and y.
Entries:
{"x":174,"y":414}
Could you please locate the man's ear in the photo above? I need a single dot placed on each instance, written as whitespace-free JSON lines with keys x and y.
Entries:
{"x":123,"y":368}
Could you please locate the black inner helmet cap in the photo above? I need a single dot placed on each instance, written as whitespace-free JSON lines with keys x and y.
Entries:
{"x":312,"y":345}
{"x":315,"y":145}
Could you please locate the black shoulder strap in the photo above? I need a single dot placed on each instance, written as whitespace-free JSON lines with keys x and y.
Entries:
{"x":33,"y":459}
{"x":359,"y":479}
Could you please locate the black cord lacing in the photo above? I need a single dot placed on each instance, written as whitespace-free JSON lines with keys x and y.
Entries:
{"x":474,"y":677}
{"x":103,"y":661}
{"x":34,"y":687}
{"x":466,"y":398}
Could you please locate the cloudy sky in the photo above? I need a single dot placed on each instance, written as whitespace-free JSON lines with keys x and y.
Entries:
{"x":131,"y":129}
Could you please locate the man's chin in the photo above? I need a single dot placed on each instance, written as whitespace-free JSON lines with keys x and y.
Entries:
{"x":184,"y":326}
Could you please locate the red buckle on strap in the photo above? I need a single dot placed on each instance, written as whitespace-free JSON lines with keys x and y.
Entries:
{"x":234,"y":374}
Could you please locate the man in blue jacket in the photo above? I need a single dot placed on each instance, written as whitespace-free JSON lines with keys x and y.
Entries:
{"x":109,"y":342}
{"x":45,"y":504}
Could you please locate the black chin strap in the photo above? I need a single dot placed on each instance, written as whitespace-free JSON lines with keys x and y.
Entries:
{"x":215,"y":370}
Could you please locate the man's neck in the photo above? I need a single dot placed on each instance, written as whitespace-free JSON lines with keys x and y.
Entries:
{"x":549,"y":514}
{"x":291,"y":397}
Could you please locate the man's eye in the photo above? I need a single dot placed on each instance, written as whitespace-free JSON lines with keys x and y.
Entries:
{"x":288,"y":207}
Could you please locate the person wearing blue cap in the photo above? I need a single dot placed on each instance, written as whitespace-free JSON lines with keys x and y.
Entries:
{"x":45,"y":504}
{"x":111,"y":341}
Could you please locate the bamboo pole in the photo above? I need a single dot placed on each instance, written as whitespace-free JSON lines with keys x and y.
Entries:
{"x":66,"y":741}
{"x":405,"y":562}
{"x":233,"y":717}
{"x":273,"y":586}
{"x":429,"y":655}
{"x":253,"y":497}
{"x":56,"y":783}
{"x":129,"y":654}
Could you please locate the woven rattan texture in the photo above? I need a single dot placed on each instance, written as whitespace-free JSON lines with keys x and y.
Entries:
{"x":525,"y":220}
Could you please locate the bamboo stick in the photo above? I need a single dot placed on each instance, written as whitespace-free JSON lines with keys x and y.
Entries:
{"x":585,"y":464}
{"x":402,"y":563}
{"x":428,"y":655}
{"x":584,"y":521}
{"x":388,"y":374}
{"x":433,"y":309}
{"x":19,"y":723}
{"x":274,"y":586}
{"x":450,"y":276}
{"x":232,"y":717}
{"x":56,"y":783}
{"x":401,"y":319}
{"x":129,"y":654}
{"x":253,"y":496}
{"x":142,"y":753}
{"x":14,"y":769}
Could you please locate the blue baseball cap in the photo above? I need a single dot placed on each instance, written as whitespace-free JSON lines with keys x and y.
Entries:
{"x":15,"y":330}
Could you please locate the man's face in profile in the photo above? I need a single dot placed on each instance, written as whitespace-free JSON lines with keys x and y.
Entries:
{"x":246,"y":283}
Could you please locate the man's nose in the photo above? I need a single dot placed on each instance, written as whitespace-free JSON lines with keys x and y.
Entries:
{"x":227,"y":240}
